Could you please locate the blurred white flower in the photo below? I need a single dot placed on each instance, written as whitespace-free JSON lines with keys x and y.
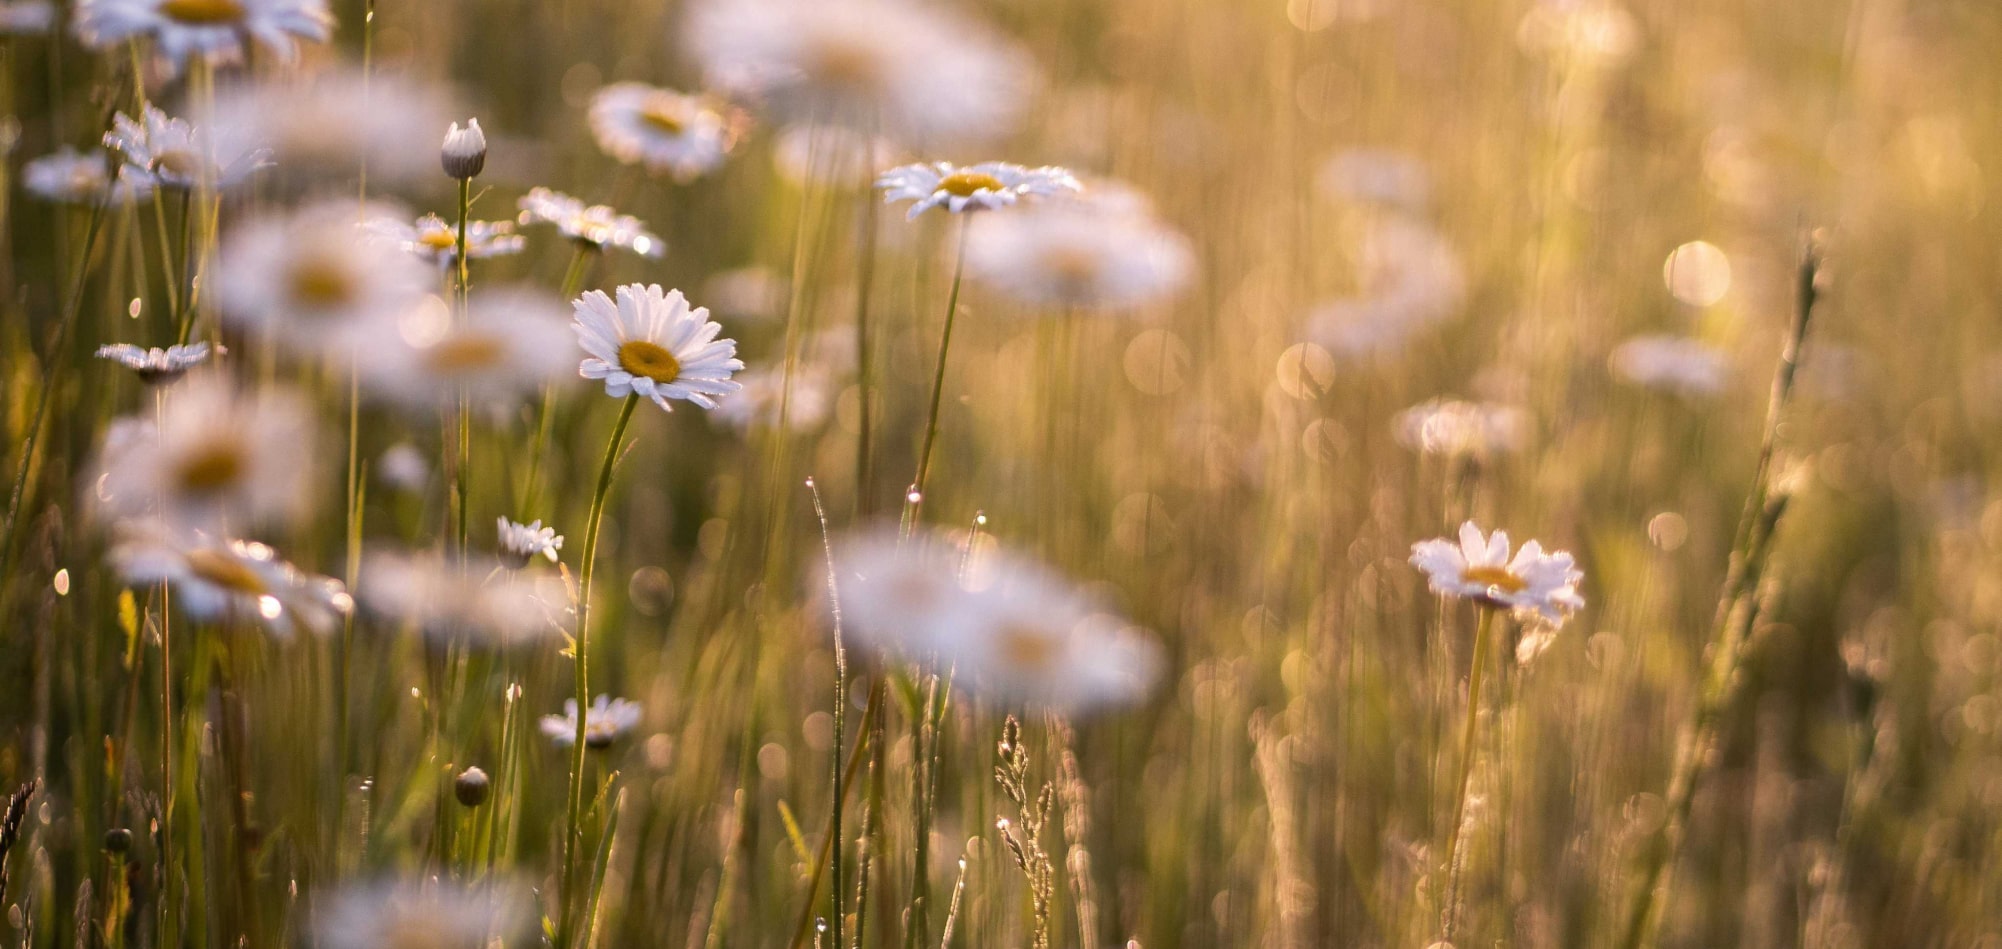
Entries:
{"x":164,"y":152}
{"x":767,"y":401}
{"x":1682,"y":366}
{"x":1594,"y":31}
{"x":604,"y":722}
{"x":156,"y":365}
{"x":234,"y":582}
{"x":1532,"y":584}
{"x":332,"y":122}
{"x":18,"y":17}
{"x":214,"y":459}
{"x":436,"y":241}
{"x":596,"y":225}
{"x":988,"y":185}
{"x":213,"y":30}
{"x":1375,"y":176}
{"x":1080,"y":254}
{"x":918,"y":73}
{"x":510,"y":344}
{"x":77,"y":177}
{"x":403,"y":467}
{"x":430,"y":915}
{"x":652,"y":343}
{"x":309,"y":282}
{"x":474,"y":601}
{"x":520,"y":543}
{"x":1461,"y":430}
{"x":666,"y":131}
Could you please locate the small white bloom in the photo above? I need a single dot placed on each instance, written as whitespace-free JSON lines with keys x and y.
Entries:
{"x":1080,"y":254}
{"x":213,"y":459}
{"x":666,"y":131}
{"x":509,"y":345}
{"x":769,"y":399}
{"x":212,"y":30}
{"x":1532,"y":584}
{"x":329,"y":123}
{"x":604,"y":722}
{"x":19,"y":17}
{"x":652,"y":343}
{"x":426,"y":915}
{"x":464,"y":154}
{"x":77,"y":177}
{"x":1461,"y":430}
{"x":435,"y":240}
{"x":403,"y":468}
{"x":1674,"y":364}
{"x":988,"y":185}
{"x":596,"y":225}
{"x":448,"y":601}
{"x":230,"y":581}
{"x":1379,"y":176}
{"x":520,"y":543}
{"x":157,"y":365}
{"x":174,"y":154}
{"x":307,"y":280}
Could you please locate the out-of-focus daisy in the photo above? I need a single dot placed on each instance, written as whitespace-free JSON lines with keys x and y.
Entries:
{"x":77,"y":177}
{"x":1675,"y":364}
{"x":1461,"y":430}
{"x":1532,"y":584}
{"x":450,"y":601}
{"x":156,"y":365}
{"x":604,"y":722}
{"x":652,"y":343}
{"x":596,"y":225}
{"x":520,"y":543}
{"x":213,"y":458}
{"x":768,"y":399}
{"x":230,"y":581}
{"x":214,"y":30}
{"x":333,"y":121}
{"x":910,"y":69}
{"x":307,"y":280}
{"x":1410,"y":278}
{"x":666,"y":131}
{"x":990,"y":184}
{"x":510,"y":343}
{"x":1375,"y":176}
{"x":165,"y":152}
{"x":1076,"y":254}
{"x":403,"y":468}
{"x":430,"y":915}
{"x":435,"y":240}
{"x":895,"y":593}
{"x":18,"y":17}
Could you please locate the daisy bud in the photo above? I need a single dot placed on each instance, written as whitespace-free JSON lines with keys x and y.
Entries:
{"x":465,"y":151}
{"x":117,"y":840}
{"x":470,"y":787}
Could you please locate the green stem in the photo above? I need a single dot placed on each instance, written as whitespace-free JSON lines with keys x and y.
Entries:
{"x":915,"y":498}
{"x":573,"y":833}
{"x":461,"y":471}
{"x":1474,"y":677}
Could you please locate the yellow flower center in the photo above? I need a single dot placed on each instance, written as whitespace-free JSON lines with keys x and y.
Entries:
{"x":1497,"y":578}
{"x":320,"y":281}
{"x":466,"y":353}
{"x":210,"y":469}
{"x":1028,"y":648}
{"x":203,"y":12}
{"x":226,"y":571}
{"x":963,"y":184}
{"x":664,"y":117}
{"x":439,"y":240}
{"x":642,"y":358}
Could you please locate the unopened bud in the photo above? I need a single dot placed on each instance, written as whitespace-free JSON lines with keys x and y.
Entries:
{"x":465,"y":151}
{"x":471,"y":787}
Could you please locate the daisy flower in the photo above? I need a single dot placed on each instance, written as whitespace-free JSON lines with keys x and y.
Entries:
{"x":435,"y":240}
{"x":668,"y":132}
{"x":520,"y":543}
{"x":1077,"y":254}
{"x":402,"y":467}
{"x":165,"y":152}
{"x":426,"y":915}
{"x":896,"y":593}
{"x":991,"y":184}
{"x":1461,"y":430}
{"x":768,"y":400}
{"x":307,"y":281}
{"x":510,"y":343}
{"x":1532,"y":584}
{"x":596,"y":225}
{"x":212,"y":30}
{"x":653,"y":344}
{"x":157,"y":365}
{"x":75,"y":177}
{"x":605,"y":722}
{"x":231,"y":581}
{"x":18,"y":17}
{"x":212,"y":457}
{"x":332,"y":122}
{"x":920,"y":74}
{"x":1674,"y":364}
{"x":450,"y":601}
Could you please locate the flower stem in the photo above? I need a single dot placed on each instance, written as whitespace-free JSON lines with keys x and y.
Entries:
{"x":915,"y":498}
{"x":1474,"y":676}
{"x":460,"y":471}
{"x":572,"y":837}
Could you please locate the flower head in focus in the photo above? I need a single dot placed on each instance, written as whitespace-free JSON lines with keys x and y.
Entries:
{"x":654,"y":344}
{"x":520,"y":543}
{"x":1532,"y":584}
{"x":988,"y":185}
{"x":464,"y":152}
